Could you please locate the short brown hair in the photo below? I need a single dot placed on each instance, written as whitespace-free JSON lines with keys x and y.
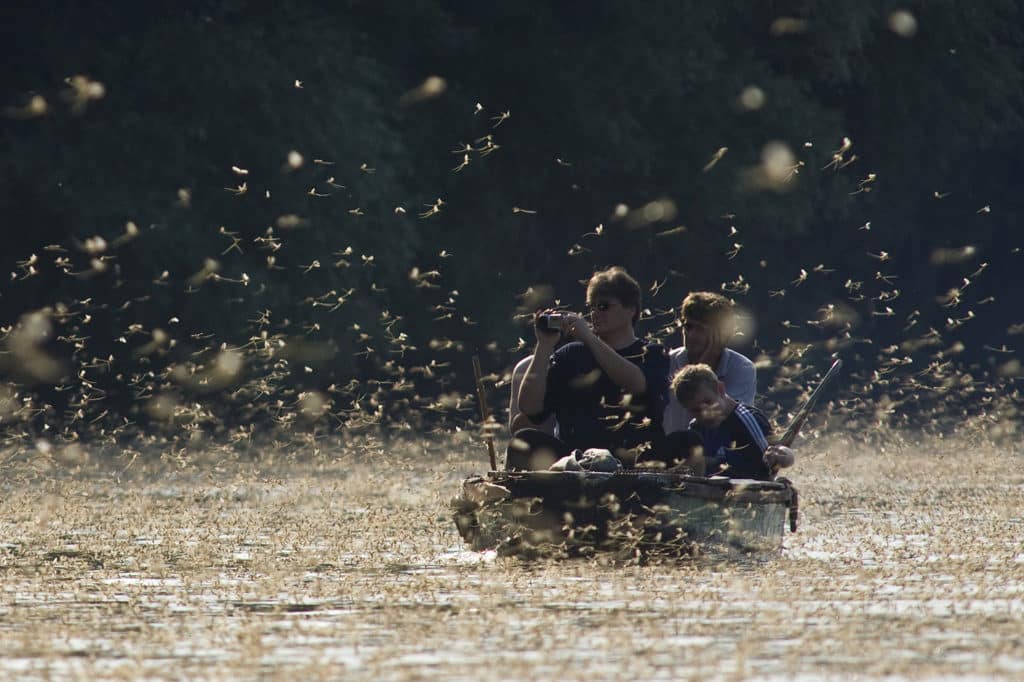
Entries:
{"x":711,"y":309}
{"x":690,"y":379}
{"x":616,"y":283}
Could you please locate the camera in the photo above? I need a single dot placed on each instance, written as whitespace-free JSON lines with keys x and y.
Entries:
{"x":551,"y":322}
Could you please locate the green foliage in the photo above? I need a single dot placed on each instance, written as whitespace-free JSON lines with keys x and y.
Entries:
{"x":610,"y":103}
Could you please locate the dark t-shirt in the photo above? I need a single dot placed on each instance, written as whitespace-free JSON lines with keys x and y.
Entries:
{"x":588,"y":404}
{"x":735,"y":448}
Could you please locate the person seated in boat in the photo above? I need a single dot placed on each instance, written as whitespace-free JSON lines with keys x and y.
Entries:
{"x":516,"y":419}
{"x":606,"y":388}
{"x":708,"y":323}
{"x":734,"y":435}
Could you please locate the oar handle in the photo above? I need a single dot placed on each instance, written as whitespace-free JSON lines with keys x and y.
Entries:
{"x":789,"y":435}
{"x":485,"y":414}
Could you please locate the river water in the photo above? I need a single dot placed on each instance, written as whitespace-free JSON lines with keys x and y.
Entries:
{"x":909,"y":564}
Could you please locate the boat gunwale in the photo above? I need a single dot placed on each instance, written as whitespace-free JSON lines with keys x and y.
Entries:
{"x":716,"y":489}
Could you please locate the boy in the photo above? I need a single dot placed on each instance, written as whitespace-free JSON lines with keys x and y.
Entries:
{"x":734,"y":434}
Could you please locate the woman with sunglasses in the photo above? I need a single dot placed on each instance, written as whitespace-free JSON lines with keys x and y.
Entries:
{"x":605,"y":387}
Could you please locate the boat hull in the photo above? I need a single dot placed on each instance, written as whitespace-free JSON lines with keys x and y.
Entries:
{"x":631,"y":511}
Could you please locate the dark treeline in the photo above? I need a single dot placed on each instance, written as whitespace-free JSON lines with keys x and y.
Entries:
{"x":404,"y":172}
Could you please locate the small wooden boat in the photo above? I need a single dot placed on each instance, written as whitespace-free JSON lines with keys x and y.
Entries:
{"x":651,"y":512}
{"x":636,"y":510}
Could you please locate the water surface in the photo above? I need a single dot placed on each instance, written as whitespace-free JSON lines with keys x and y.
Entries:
{"x":905,"y":567}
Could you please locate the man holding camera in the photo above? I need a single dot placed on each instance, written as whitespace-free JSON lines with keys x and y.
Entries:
{"x":606,"y":388}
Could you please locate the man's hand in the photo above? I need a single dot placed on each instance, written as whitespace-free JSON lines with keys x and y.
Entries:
{"x":713,"y":348}
{"x":571,"y":326}
{"x":547,"y":338}
{"x":778,"y":457}
{"x":576,"y":326}
{"x":533,"y":389}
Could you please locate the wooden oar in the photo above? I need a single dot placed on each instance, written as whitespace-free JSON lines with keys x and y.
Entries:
{"x":789,"y":435}
{"x":485,"y":414}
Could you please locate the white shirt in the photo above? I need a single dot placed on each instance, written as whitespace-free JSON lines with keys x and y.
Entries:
{"x":518,"y":374}
{"x":736,"y":371}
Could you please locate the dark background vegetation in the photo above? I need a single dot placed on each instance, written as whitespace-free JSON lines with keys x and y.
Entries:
{"x":610,"y":103}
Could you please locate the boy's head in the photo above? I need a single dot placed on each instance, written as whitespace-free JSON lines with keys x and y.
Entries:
{"x":698,"y":390}
{"x":708,"y":322}
{"x":614,"y":287}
